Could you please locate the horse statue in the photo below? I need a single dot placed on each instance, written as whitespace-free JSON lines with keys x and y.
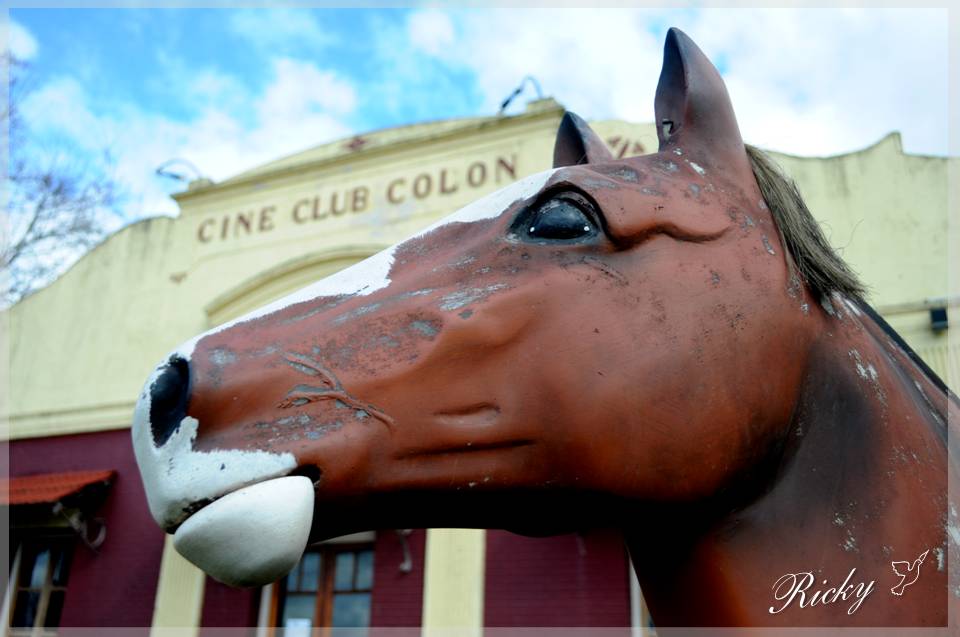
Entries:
{"x":665,"y":344}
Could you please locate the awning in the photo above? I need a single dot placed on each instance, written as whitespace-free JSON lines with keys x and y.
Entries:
{"x":49,"y":487}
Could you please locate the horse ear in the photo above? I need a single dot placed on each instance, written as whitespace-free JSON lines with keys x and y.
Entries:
{"x":578,"y":144}
{"x":692,"y":105}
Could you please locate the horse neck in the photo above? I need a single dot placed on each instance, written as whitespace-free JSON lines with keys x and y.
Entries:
{"x":860,"y":482}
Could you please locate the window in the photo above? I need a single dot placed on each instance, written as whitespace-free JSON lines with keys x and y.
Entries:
{"x":39,"y":580}
{"x":330,"y":588}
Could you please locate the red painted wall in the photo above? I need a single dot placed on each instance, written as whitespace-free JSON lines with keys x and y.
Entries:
{"x":227,"y":607}
{"x":397,"y":597}
{"x":556,"y":581}
{"x":117,"y":585}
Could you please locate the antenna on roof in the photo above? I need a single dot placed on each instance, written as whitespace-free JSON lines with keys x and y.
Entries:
{"x":518,"y":90}
{"x":163,"y":170}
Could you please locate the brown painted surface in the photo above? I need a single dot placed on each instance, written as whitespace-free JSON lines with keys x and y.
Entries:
{"x":117,"y":584}
{"x":663,"y":369}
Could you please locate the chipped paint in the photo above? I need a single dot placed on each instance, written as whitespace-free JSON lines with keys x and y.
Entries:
{"x":360,"y":311}
{"x":853,"y":307}
{"x":930,"y":406}
{"x":850,"y":544}
{"x":427,"y":328}
{"x":600,"y":183}
{"x":699,"y":169}
{"x":861,"y":369}
{"x":461,"y":298}
{"x":222,"y":356}
{"x":626,"y":173}
{"x":767,"y":246}
{"x":827,"y":306}
{"x":666,"y":165}
{"x":938,"y":553}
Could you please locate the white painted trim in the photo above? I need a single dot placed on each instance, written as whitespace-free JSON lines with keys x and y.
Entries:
{"x":179,"y":599}
{"x":66,"y":421}
{"x":263,"y":614}
{"x":637,"y":619}
{"x":7,"y":609}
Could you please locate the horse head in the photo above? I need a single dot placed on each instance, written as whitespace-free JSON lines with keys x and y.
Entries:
{"x":608,"y":335}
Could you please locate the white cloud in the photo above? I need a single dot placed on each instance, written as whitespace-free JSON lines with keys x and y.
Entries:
{"x":431,"y":31}
{"x":277,"y":30}
{"x":301,"y":106}
{"x":59,"y":108}
{"x":805,"y":81}
{"x":22,"y":43}
{"x":300,"y":87}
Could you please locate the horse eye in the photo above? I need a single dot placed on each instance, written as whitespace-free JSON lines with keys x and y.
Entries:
{"x":559,"y":220}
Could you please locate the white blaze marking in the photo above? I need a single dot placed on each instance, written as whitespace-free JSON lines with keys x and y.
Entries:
{"x":175,"y":476}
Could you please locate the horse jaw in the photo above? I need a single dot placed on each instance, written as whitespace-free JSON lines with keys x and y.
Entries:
{"x":252,"y":536}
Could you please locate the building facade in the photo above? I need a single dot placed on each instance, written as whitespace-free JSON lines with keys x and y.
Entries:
{"x":84,"y":550}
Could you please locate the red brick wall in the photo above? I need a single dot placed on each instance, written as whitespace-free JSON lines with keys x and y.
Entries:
{"x":556,"y":581}
{"x":397,"y":597}
{"x":115,"y":586}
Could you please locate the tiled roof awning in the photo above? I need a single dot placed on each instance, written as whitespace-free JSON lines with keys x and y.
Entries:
{"x":49,"y":487}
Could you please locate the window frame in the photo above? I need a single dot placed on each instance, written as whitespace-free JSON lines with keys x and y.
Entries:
{"x":326,"y":590}
{"x":50,"y":539}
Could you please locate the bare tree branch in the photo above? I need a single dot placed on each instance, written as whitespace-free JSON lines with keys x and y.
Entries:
{"x":55,"y":205}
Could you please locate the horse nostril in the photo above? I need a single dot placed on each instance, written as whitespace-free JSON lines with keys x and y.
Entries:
{"x":310,"y":471}
{"x":168,"y":399}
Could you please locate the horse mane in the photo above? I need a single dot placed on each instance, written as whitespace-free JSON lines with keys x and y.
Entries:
{"x":818,"y":264}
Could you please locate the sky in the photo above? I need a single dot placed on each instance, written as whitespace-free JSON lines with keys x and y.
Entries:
{"x":125,"y":90}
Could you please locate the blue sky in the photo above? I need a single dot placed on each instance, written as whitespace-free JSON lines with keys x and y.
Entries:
{"x":230,"y":89}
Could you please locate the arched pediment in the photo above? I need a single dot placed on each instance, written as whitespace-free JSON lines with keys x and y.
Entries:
{"x":282,"y":279}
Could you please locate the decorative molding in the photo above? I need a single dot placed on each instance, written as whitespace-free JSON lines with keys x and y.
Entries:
{"x":67,"y":421}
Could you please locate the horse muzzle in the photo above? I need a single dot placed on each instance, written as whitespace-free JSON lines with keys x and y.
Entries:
{"x":220,"y":503}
